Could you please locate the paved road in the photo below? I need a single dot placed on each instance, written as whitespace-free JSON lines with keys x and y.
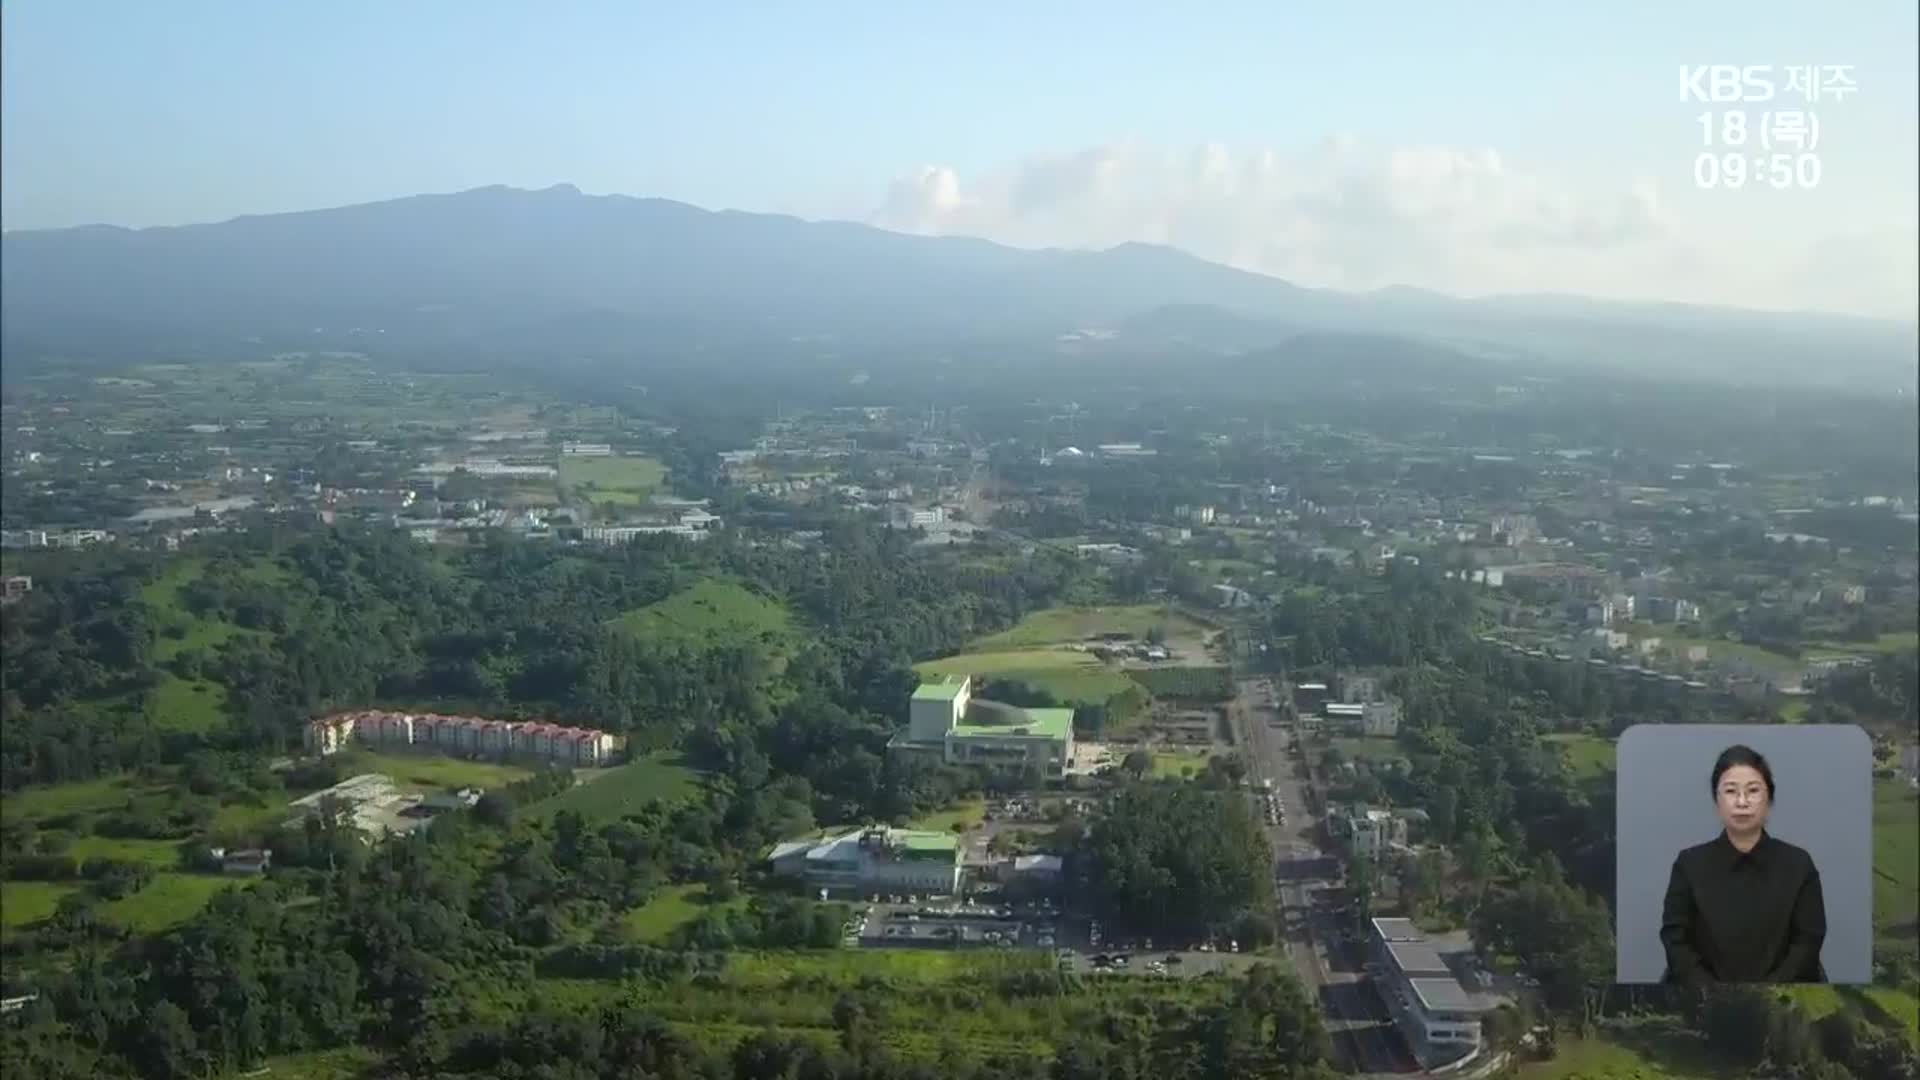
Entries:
{"x":1363,"y":1035}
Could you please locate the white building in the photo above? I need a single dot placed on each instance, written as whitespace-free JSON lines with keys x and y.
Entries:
{"x":584,"y":449}
{"x":460,"y":735}
{"x":1439,"y":1018}
{"x":872,"y":860}
{"x":946,"y":721}
{"x":1372,"y":833}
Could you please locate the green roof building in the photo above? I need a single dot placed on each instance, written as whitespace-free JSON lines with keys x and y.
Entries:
{"x":946,"y":721}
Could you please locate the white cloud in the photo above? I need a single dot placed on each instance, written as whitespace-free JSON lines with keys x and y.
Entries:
{"x":1349,"y":215}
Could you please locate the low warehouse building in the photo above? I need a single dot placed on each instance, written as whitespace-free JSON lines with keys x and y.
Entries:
{"x":875,"y":859}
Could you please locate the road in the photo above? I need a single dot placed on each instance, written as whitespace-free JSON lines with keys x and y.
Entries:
{"x":1364,"y":1038}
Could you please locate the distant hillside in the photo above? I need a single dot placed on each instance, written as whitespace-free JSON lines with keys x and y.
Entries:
{"x":504,"y":273}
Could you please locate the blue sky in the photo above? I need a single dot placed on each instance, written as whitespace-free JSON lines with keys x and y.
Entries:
{"x":162,"y":113}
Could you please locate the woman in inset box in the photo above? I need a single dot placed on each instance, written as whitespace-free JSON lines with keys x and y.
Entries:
{"x":1745,"y":906}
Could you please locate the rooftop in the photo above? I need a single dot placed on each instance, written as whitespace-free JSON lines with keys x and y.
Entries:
{"x":1417,"y":958}
{"x":1398,"y":930}
{"x":1446,"y":995}
{"x":1037,"y":724}
{"x":946,"y":689}
{"x":924,"y":840}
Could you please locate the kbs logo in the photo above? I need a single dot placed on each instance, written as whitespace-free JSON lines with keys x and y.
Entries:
{"x":1726,"y":83}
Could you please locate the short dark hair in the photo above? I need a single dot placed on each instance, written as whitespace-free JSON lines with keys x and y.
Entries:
{"x":1741,"y":755}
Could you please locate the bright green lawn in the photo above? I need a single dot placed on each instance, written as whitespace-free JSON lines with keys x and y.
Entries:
{"x":1598,"y":1059}
{"x":848,"y":966}
{"x":162,"y":597}
{"x":1899,"y":1004}
{"x":183,"y":705}
{"x":968,"y":813}
{"x":626,"y":789}
{"x":1896,"y":854}
{"x":57,"y":800}
{"x":712,"y":611}
{"x":1178,"y":763}
{"x":1588,"y":756}
{"x":160,"y":854}
{"x":1057,"y":626}
{"x":670,"y":909}
{"x":613,"y":481}
{"x":1070,"y":676}
{"x":23,"y":903}
{"x":170,"y":900}
{"x":433,"y":772}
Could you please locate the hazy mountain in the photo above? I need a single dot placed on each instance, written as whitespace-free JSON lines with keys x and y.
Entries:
{"x":513,"y":272}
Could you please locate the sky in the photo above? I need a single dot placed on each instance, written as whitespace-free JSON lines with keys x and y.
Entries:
{"x":1473,"y":148}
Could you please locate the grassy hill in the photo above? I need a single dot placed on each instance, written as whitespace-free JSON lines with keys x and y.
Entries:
{"x":710,"y":612}
{"x":625,"y":789}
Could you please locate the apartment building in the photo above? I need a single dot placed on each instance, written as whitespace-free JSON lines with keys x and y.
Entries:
{"x":461,"y":735}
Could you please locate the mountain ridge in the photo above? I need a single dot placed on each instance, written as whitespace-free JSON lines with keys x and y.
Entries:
{"x":481,"y":266}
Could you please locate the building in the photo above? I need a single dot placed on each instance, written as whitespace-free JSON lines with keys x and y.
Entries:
{"x":1380,"y":719}
{"x":874,"y":859}
{"x":1439,"y":1017}
{"x":466,"y":735}
{"x":1354,"y":688}
{"x":1111,"y":554}
{"x":245,"y":861}
{"x":586,"y":449}
{"x":13,"y":587}
{"x":1309,"y":697}
{"x":1345,"y":715}
{"x":945,"y":720}
{"x":1371,"y":833}
{"x":1600,"y":614}
{"x":1230,"y":596}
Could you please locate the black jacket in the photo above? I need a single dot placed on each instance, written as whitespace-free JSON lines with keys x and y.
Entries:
{"x":1733,"y":916}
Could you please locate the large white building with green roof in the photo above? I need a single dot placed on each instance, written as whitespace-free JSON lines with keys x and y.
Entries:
{"x":945,"y":721}
{"x":874,"y":859}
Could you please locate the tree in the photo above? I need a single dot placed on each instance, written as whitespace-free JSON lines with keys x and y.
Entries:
{"x":167,"y":1045}
{"x":1175,"y":859}
{"x":1137,"y":763}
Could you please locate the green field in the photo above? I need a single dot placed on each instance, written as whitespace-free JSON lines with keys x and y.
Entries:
{"x":1902,"y":1007}
{"x":23,"y":903}
{"x":1061,"y":626}
{"x":847,"y":967}
{"x":170,"y":900}
{"x":183,"y":705}
{"x":1369,"y":748}
{"x":624,"y":790}
{"x":712,"y":611}
{"x":1896,"y":855}
{"x":1588,"y":756}
{"x":668,"y":910}
{"x":613,"y":481}
{"x":968,"y":813}
{"x":432,"y":772}
{"x":1600,"y":1059}
{"x":59,"y":800}
{"x":350,"y":1063}
{"x":162,"y":597}
{"x":1178,"y":763}
{"x":1898,"y":641}
{"x":160,"y":854}
{"x":1079,"y":678}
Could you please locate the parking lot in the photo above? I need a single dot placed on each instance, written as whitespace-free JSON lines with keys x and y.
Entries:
{"x":956,"y":924}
